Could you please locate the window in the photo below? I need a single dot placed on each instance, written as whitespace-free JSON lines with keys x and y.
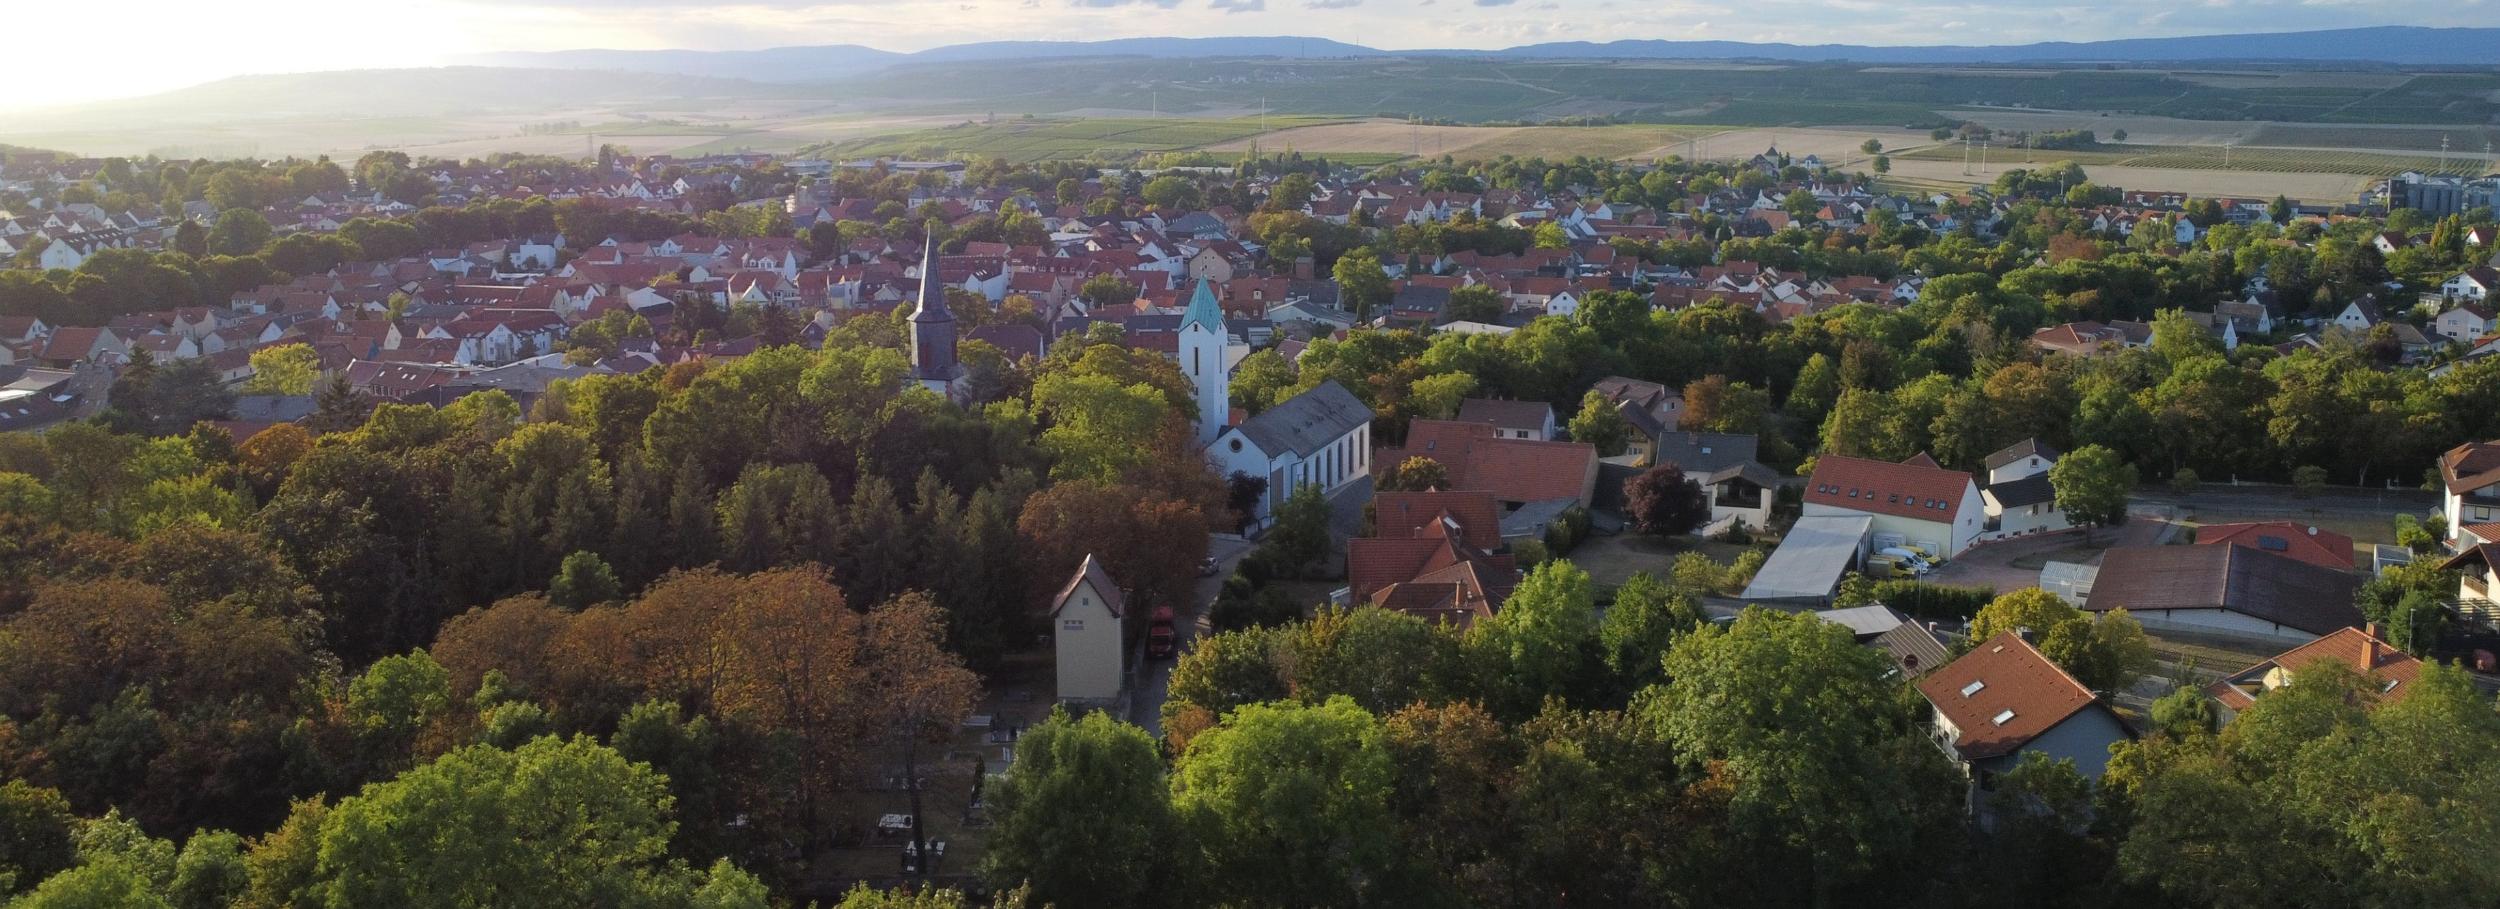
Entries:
{"x":1894,"y":500}
{"x":2003,"y":717}
{"x":1973,"y":687}
{"x":1072,"y":624}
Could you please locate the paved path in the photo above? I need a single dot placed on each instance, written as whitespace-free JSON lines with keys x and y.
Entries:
{"x":1190,"y":621}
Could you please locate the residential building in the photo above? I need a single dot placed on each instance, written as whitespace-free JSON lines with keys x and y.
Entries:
{"x":1913,"y":646}
{"x":1516,"y":472}
{"x":2389,"y":669}
{"x":2018,"y":499}
{"x":1740,"y":487}
{"x":1437,"y":555}
{"x":2004,"y":700}
{"x":1916,"y":501}
{"x":2469,"y":497}
{"x":2229,"y":591}
{"x":1511,"y":419}
{"x":1086,"y":634}
{"x":2466,"y":322}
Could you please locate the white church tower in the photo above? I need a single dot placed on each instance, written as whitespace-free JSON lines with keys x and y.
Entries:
{"x":1202,"y":359}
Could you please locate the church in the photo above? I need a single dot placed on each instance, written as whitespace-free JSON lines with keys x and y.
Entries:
{"x":1321,"y":437}
{"x":933,"y":362}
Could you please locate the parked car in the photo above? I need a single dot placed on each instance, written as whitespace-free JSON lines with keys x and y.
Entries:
{"x":1206,"y":567}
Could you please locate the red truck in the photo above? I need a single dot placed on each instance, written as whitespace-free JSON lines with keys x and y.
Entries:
{"x":1159,"y":633}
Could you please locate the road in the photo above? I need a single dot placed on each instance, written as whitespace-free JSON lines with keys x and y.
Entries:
{"x":1155,"y":683}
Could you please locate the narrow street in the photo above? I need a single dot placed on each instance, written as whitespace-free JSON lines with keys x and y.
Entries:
{"x":1155,"y":678}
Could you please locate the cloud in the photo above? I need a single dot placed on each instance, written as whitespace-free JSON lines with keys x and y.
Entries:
{"x":1107,"y":4}
{"x":1332,"y":4}
{"x":1239,"y":6}
{"x":1495,"y":2}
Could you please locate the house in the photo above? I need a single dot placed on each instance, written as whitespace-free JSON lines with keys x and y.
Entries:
{"x":2018,"y":499}
{"x":1912,"y":646}
{"x":2090,"y":339}
{"x":73,"y":345}
{"x":1662,"y":405}
{"x":1436,"y":554}
{"x":1740,"y":487}
{"x":1511,"y":419}
{"x":2478,"y":571}
{"x":2323,"y":548}
{"x":1914,"y":501}
{"x":1321,"y":437}
{"x":1087,"y":637}
{"x":2003,"y":700}
{"x":2359,"y":315}
{"x":2389,"y":669}
{"x":2228,"y":591}
{"x":2466,"y":322}
{"x":2469,"y":477}
{"x":1516,"y":472}
{"x":2475,"y":284}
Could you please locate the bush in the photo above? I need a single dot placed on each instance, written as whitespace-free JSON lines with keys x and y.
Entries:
{"x":1567,"y":531}
{"x":1269,"y":607}
{"x":1932,"y":601}
{"x":1529,"y":553}
{"x":2307,"y":480}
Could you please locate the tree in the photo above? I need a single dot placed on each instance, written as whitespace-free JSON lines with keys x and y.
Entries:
{"x":1543,"y":641}
{"x":2106,"y":652}
{"x":1362,"y":285}
{"x":1826,"y":769}
{"x":584,"y":581}
{"x":2118,"y":135}
{"x":239,"y":232}
{"x":1106,"y":290}
{"x":1223,"y":672}
{"x":1872,"y":146}
{"x":283,"y":369}
{"x":2092,"y":484}
{"x":1883,"y":164}
{"x":1663,"y":501}
{"x":1300,"y":537}
{"x":2308,"y":480}
{"x":1598,"y":423}
{"x":1288,"y":785}
{"x":1643,"y":622}
{"x":1085,"y":816}
{"x":1416,"y":474}
{"x":548,"y":823}
{"x":35,"y":835}
{"x":2183,"y":482}
{"x":1476,"y":303}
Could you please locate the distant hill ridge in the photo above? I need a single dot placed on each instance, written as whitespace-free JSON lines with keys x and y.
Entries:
{"x":2398,"y":45}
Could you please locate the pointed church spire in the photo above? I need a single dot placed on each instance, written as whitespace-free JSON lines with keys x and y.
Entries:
{"x":1202,"y":310}
{"x":932,"y":306}
{"x":932,"y":326}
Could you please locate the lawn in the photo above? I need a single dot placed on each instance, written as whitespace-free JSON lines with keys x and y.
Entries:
{"x":1611,"y":560}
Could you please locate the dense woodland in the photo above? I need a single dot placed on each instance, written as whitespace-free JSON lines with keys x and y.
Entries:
{"x":630,"y":648}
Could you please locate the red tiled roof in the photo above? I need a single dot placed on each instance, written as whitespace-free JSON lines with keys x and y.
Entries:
{"x":2470,"y":466}
{"x":1511,"y":470}
{"x":1403,"y":515}
{"x":2395,"y":669}
{"x":2323,"y":548}
{"x":2001,"y":695}
{"x":1878,"y":487}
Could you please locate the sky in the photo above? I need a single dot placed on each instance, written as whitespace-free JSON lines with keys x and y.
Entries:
{"x":157,"y":45}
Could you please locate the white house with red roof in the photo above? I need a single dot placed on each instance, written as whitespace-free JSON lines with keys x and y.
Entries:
{"x":2469,"y":496}
{"x":1928,"y":506}
{"x":1085,"y":621}
{"x":2004,"y":699}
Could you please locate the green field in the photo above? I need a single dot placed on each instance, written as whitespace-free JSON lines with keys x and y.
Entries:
{"x":1029,"y":139}
{"x":2462,"y":140}
{"x":2213,"y":157}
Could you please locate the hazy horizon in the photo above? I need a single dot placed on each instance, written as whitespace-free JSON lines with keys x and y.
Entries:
{"x":173,"y":45}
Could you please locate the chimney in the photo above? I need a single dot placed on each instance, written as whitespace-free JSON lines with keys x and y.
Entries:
{"x":2376,"y":630}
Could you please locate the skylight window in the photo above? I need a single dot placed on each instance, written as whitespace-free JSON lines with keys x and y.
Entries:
{"x":1973,"y":687}
{"x":2003,"y":717}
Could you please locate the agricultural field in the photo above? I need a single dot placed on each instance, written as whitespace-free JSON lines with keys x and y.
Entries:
{"x":1029,"y":139}
{"x":1399,"y":139}
{"x":2207,"y":157}
{"x":2461,"y":140}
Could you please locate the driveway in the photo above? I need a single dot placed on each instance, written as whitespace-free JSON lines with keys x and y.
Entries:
{"x":2014,"y":564}
{"x":1155,"y":679}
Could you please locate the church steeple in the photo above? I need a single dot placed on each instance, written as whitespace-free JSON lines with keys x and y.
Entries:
{"x":1201,"y":352}
{"x":932,"y":325}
